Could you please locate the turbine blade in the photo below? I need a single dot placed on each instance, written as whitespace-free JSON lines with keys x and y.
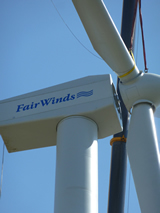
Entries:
{"x":104,"y":35}
{"x":143,"y":153}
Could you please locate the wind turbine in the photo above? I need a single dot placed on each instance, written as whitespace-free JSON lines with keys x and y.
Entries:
{"x":140,"y":93}
{"x":22,"y":109}
{"x":72,"y":116}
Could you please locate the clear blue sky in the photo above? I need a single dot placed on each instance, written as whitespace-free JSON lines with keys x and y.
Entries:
{"x":37,"y":51}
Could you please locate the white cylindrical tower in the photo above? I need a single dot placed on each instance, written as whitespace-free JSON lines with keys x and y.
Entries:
{"x":76,"y":187}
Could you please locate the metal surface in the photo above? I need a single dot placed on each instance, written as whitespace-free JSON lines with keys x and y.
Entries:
{"x":145,"y":88}
{"x":116,"y":197}
{"x":29,"y":121}
{"x":117,"y":178}
{"x":76,"y":166}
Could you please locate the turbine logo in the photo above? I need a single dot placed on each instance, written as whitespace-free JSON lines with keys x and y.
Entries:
{"x":53,"y":100}
{"x":84,"y":93}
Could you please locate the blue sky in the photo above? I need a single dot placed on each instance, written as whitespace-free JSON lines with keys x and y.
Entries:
{"x":37,"y":51}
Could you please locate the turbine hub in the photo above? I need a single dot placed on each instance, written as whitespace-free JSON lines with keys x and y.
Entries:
{"x":144,"y":88}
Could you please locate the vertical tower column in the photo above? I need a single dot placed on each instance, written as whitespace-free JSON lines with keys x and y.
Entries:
{"x":76,"y":187}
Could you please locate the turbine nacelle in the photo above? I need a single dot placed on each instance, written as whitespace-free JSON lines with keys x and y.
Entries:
{"x":30,"y":121}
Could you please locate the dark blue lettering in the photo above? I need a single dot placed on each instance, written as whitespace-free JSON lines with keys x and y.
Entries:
{"x":72,"y":97}
{"x":66,"y":98}
{"x":32,"y":105}
{"x":53,"y":100}
{"x":36,"y":104}
{"x":58,"y":100}
{"x":19,"y":107}
{"x":46,"y":101}
{"x":26,"y":107}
